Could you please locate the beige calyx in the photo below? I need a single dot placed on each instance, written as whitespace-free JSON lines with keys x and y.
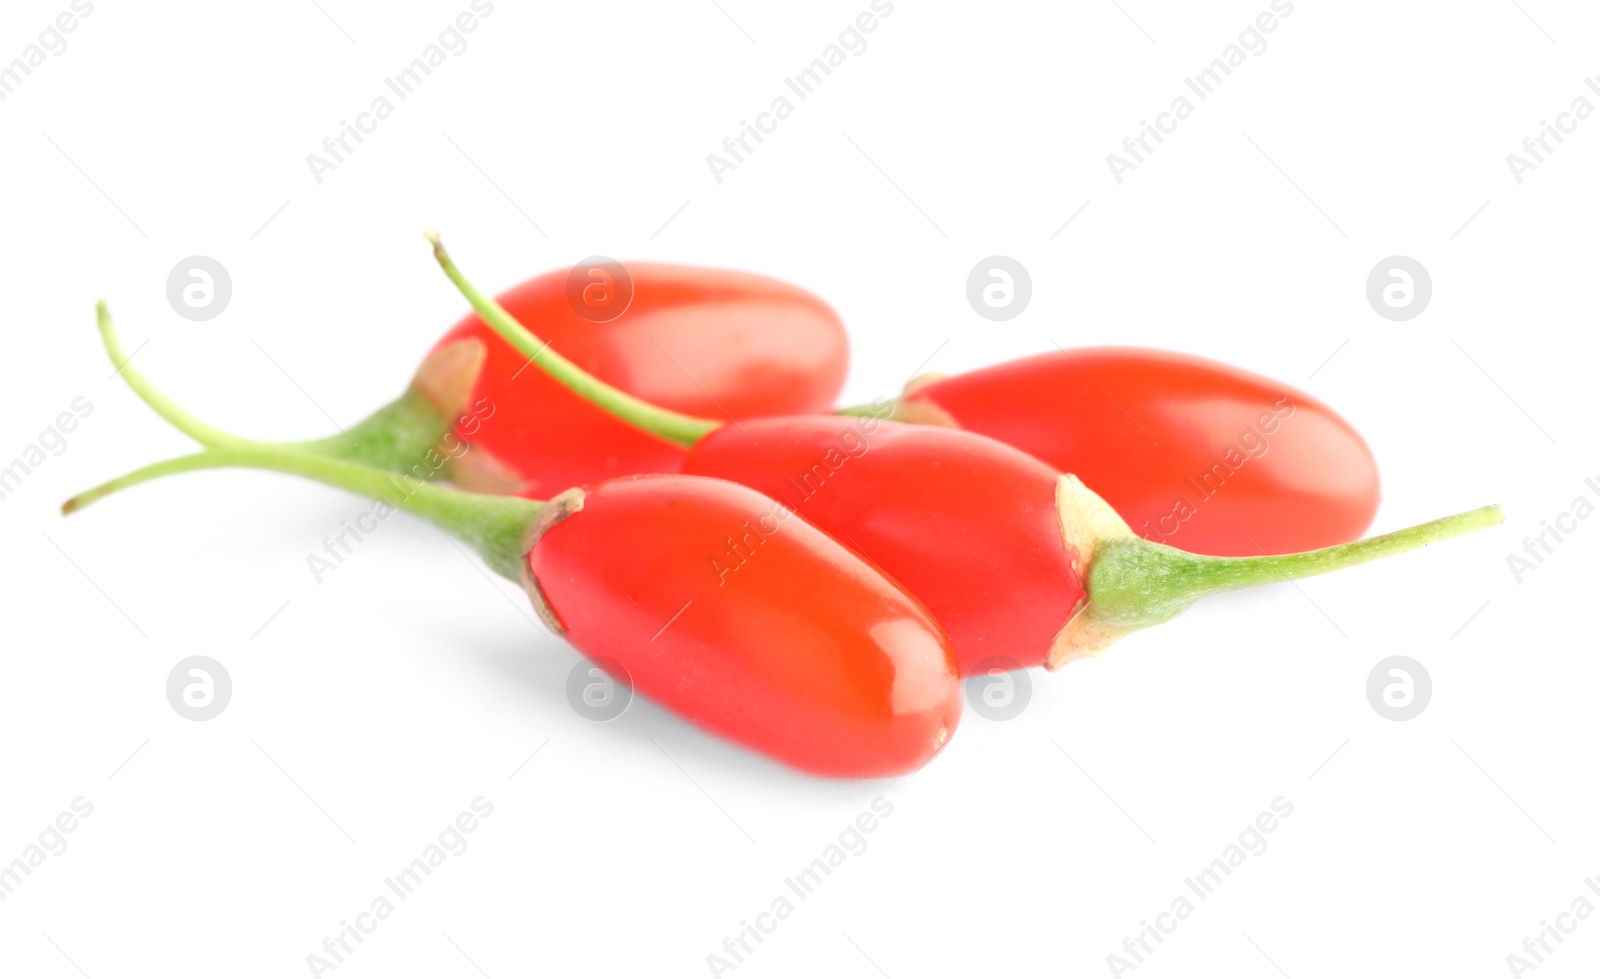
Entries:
{"x":445,"y":381}
{"x":1086,"y":522}
{"x":922,"y":411}
{"x":921,"y":381}
{"x":446,"y":378}
{"x":560,"y":507}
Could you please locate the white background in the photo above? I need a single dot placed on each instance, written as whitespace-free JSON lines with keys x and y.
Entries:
{"x":403,"y":687}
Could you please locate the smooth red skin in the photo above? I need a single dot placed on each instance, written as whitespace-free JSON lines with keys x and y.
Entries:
{"x":700,"y":341}
{"x":1315,"y":485}
{"x":805,"y":653}
{"x":965,"y":523}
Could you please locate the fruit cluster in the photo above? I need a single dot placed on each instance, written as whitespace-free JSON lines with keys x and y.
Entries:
{"x":672,"y":491}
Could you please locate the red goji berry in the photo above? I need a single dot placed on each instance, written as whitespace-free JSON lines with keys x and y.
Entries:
{"x":1190,"y":452}
{"x":697,"y":340}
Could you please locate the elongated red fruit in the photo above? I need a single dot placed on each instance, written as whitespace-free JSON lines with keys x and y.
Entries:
{"x":1015,"y":559}
{"x":805,"y":652}
{"x":706,"y":341}
{"x":968,"y":525}
{"x":702,"y":341}
{"x":1190,"y":452}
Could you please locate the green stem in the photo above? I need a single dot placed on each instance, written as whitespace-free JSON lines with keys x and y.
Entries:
{"x":397,"y":437}
{"x":496,"y":526}
{"x":902,"y":409}
{"x":672,"y":426}
{"x":151,"y":395}
{"x":874,"y":409}
{"x":209,"y":459}
{"x":1134,"y":583}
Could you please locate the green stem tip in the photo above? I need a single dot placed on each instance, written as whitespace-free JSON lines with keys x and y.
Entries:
{"x":1131,"y":583}
{"x":496,"y":526}
{"x":1134,"y":583}
{"x":684,"y":430}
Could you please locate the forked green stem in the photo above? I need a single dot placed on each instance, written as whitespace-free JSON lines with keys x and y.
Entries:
{"x":396,"y":437}
{"x":672,"y":426}
{"x":1134,"y":583}
{"x":151,"y":395}
{"x":496,"y":526}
